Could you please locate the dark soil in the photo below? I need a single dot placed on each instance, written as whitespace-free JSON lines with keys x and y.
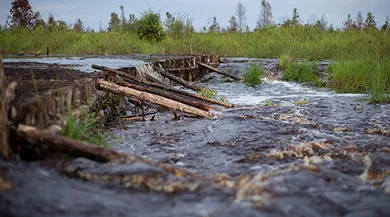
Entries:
{"x":40,"y":77}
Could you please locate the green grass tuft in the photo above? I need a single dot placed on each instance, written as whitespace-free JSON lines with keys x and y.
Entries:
{"x":302,"y":72}
{"x":209,"y":93}
{"x":252,"y":75}
{"x":380,"y":83}
{"x":83,"y":128}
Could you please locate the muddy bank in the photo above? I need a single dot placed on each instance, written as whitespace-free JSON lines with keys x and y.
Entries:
{"x":38,"y":78}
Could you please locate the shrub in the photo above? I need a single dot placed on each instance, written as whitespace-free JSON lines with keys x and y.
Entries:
{"x":252,"y":75}
{"x":149,"y":27}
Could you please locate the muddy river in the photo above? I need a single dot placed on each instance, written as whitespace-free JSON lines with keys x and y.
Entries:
{"x":285,"y":150}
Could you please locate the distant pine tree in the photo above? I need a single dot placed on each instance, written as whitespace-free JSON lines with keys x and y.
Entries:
{"x":22,"y":14}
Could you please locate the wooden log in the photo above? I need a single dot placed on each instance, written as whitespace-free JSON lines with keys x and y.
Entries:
{"x":147,"y":71}
{"x":152,"y":98}
{"x":10,"y":93}
{"x":164,"y":86}
{"x":179,"y":80}
{"x":168,"y":95}
{"x":4,"y":145}
{"x":184,"y":93}
{"x":219,"y":71}
{"x":68,"y":146}
{"x":84,"y":149}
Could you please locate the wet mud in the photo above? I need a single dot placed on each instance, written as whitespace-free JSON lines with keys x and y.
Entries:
{"x":308,"y":153}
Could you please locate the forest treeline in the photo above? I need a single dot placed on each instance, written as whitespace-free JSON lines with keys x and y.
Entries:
{"x":153,"y":26}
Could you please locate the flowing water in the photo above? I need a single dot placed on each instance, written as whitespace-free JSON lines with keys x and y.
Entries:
{"x":285,"y":150}
{"x":80,"y":63}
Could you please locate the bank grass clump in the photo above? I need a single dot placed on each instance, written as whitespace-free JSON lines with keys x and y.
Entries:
{"x":284,"y":61}
{"x":83,"y":127}
{"x":351,"y":76}
{"x":303,"y":71}
{"x":364,"y":75}
{"x":380,"y":82}
{"x":252,"y":75}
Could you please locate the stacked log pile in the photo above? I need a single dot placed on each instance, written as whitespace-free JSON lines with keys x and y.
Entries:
{"x":152,"y":83}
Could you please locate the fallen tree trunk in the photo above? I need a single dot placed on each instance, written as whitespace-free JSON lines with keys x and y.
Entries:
{"x":179,"y":80}
{"x":184,"y":93}
{"x":68,"y":146}
{"x":164,"y":87}
{"x":219,"y":71}
{"x":168,"y":95}
{"x":84,"y":149}
{"x":152,"y":98}
{"x":4,"y":145}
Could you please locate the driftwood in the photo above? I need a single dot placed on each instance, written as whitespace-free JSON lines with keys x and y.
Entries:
{"x":152,"y":98}
{"x":4,"y":145}
{"x":179,"y":80}
{"x":68,"y":146}
{"x":164,"y":87}
{"x":184,"y":93}
{"x":168,"y":95}
{"x":76,"y":148}
{"x":219,"y":71}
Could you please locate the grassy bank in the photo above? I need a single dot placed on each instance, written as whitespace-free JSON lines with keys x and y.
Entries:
{"x":370,"y":75}
{"x":298,"y":42}
{"x":362,"y":56}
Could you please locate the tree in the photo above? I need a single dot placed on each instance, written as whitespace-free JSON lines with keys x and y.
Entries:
{"x":370,"y":22}
{"x":214,"y":26}
{"x":359,"y":20}
{"x":132,"y":23}
{"x":51,"y":20}
{"x":265,"y":18}
{"x":114,"y":23}
{"x":178,"y":25}
{"x":149,"y":27}
{"x":78,"y":26}
{"x":240,"y":13}
{"x":295,"y":17}
{"x":62,"y":26}
{"x":233,"y":25}
{"x":387,"y":27}
{"x":123,"y":18}
{"x":323,"y":22}
{"x":38,"y":20}
{"x":169,"y":21}
{"x":348,"y":24}
{"x":22,"y":14}
{"x":331,"y":28}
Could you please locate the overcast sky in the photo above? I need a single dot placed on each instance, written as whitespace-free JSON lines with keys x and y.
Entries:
{"x":91,"y":12}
